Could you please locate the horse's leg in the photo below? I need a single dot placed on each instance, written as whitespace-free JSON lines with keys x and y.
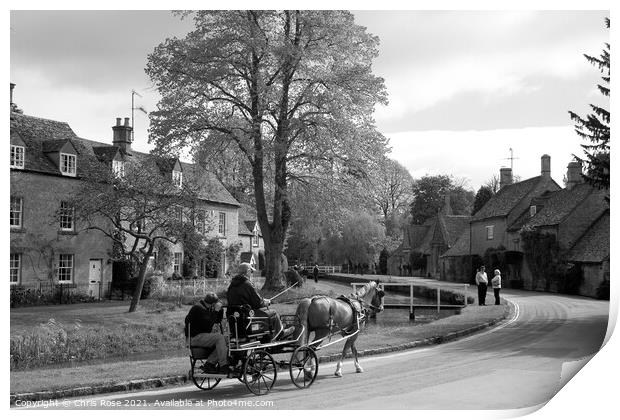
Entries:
{"x":347,"y":344}
{"x":358,"y":368}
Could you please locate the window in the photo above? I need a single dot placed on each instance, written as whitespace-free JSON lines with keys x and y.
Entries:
{"x":177,"y":178}
{"x":16,"y":268}
{"x":66,"y":216}
{"x":65,"y":268}
{"x":221,"y":229}
{"x":17,"y":157}
{"x":255,"y":238}
{"x":67,"y":164}
{"x":200,"y":221}
{"x":490,"y":232}
{"x":16,"y":212}
{"x":532,"y":211}
{"x":118,"y":168}
{"x":178,"y":260}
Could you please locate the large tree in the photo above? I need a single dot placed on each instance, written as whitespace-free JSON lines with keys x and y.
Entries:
{"x":595,"y":127}
{"x":430,"y":193}
{"x":483,"y":195}
{"x":293,"y":90}
{"x":138,"y":210}
{"x":391,"y":187}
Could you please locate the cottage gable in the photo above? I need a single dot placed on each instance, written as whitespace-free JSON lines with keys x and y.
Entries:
{"x":593,"y":246}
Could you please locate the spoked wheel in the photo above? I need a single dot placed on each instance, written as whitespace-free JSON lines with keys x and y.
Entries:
{"x":200,"y":378}
{"x":259,"y":372}
{"x":304,"y":367}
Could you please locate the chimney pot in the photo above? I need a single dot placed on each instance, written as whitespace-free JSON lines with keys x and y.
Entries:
{"x":126,"y":121}
{"x":122,"y":135}
{"x":574,"y":175}
{"x":118,"y":122}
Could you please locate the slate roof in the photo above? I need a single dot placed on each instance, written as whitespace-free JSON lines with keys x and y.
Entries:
{"x":559,"y":205}
{"x":105,"y":153}
{"x":37,"y":132}
{"x":453,"y":226}
{"x":460,"y":247}
{"x":506,"y":199}
{"x":247,"y":220}
{"x":593,"y":246}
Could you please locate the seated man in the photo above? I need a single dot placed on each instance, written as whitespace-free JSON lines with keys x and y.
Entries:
{"x":200,"y":320}
{"x":242,"y":292}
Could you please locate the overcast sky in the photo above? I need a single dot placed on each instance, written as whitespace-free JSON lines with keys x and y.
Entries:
{"x":464,"y":86}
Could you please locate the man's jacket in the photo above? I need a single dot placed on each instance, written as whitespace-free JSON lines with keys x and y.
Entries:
{"x":241,"y":292}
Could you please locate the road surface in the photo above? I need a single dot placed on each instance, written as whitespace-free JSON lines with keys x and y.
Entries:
{"x":516,"y":365}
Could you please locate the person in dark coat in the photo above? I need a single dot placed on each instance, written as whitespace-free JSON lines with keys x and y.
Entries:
{"x":315,"y":273}
{"x":199,"y":324}
{"x":242,"y":292}
{"x":481,"y":282}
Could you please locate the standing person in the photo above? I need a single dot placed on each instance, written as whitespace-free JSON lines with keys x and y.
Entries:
{"x":481,"y":282}
{"x":242,"y":292}
{"x":496,"y":282}
{"x":199,"y":324}
{"x":315,"y":273}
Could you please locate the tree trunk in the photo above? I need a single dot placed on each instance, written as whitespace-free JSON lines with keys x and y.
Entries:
{"x":141,"y":278}
{"x":273,"y":259}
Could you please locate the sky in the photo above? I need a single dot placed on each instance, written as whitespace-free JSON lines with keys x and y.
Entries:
{"x":464,"y":87}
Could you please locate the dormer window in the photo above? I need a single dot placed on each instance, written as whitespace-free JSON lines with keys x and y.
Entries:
{"x":532,"y":211}
{"x":118,"y":168}
{"x":177,"y":178}
{"x":17,"y":157}
{"x":255,"y":238}
{"x":67,"y":164}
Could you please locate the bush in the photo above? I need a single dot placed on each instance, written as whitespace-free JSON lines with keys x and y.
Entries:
{"x":292,"y":277}
{"x":21,"y":297}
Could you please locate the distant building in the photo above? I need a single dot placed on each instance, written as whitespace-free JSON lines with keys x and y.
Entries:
{"x":47,"y":247}
{"x":252,"y":243}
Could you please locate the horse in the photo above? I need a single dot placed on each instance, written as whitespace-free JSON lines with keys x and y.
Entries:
{"x":325,"y":315}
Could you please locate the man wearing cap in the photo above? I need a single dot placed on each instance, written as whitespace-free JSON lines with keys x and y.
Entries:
{"x":242,"y":292}
{"x":199,"y":324}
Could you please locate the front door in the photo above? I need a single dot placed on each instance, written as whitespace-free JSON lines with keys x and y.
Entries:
{"x":94,"y":278}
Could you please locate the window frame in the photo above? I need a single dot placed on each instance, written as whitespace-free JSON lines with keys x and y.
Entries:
{"x":67,"y":164}
{"x":118,"y":168}
{"x":533,"y":211}
{"x":14,"y":162}
{"x":255,"y":239}
{"x":177,"y":267}
{"x":221,"y":227}
{"x":177,"y":178}
{"x":490,"y":232}
{"x":66,"y":270}
{"x":15,"y":269}
{"x":201,"y":221}
{"x":20,"y":212}
{"x":67,"y":216}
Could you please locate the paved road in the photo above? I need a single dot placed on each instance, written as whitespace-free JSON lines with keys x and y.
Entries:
{"x":516,"y":365}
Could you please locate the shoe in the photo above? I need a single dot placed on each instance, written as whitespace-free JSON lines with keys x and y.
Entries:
{"x":209,"y":367}
{"x":287,"y":331}
{"x":223,"y":370}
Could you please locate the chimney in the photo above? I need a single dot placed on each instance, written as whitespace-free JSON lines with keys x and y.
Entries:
{"x":573,"y":175}
{"x":12,"y":87}
{"x":545,"y":166}
{"x":447,"y":209}
{"x":505,"y":177}
{"x":122,"y":135}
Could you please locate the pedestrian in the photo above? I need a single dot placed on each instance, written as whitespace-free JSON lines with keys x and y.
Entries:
{"x":496,"y":282}
{"x":481,"y":282}
{"x":315,"y":273}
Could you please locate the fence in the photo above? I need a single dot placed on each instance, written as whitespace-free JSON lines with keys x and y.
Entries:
{"x":42,"y":293}
{"x":411,"y":306}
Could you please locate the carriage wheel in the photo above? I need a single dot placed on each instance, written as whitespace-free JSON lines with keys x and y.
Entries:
{"x":200,"y":378}
{"x":259,"y":372}
{"x":304,"y":367}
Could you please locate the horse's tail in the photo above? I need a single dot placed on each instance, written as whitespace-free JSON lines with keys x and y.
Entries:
{"x":302,"y":315}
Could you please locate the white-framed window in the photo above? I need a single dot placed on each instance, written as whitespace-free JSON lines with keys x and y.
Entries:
{"x":532,"y":211}
{"x":17,"y":157}
{"x":118,"y":168}
{"x":17,"y":207}
{"x":221,"y":228}
{"x":490,"y":232}
{"x":16,"y":269}
{"x":177,"y":178}
{"x":201,"y":216}
{"x":66,"y":216}
{"x":178,"y":261}
{"x":65,"y":268}
{"x":255,"y":238}
{"x":67,"y":164}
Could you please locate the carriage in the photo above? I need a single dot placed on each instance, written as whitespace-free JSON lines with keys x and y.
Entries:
{"x":252,"y":355}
